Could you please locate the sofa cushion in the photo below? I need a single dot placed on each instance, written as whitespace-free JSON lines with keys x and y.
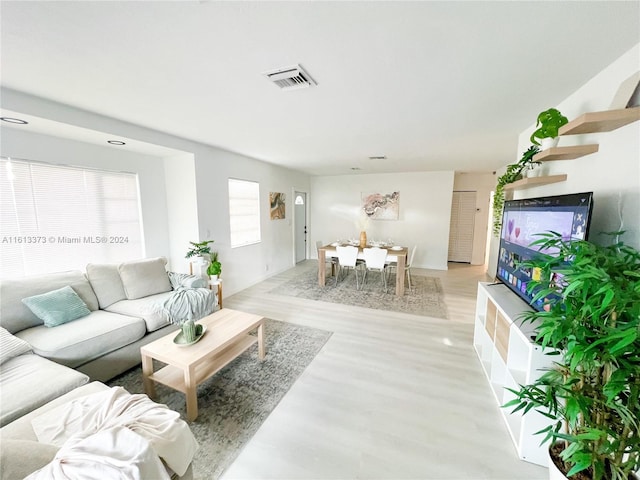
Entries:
{"x":29,"y":381}
{"x":106,"y":283}
{"x":144,"y":277}
{"x":73,"y":344}
{"x":19,"y":458}
{"x":58,"y":306}
{"x":147,"y":308}
{"x":11,"y":346}
{"x":16,"y":316}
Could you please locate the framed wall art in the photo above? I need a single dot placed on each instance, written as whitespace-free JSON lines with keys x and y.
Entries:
{"x":381,"y":206}
{"x":277,"y":205}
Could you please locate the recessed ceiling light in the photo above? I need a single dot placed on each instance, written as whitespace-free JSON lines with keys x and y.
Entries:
{"x":378,"y":157}
{"x":19,"y":121}
{"x":116,"y":142}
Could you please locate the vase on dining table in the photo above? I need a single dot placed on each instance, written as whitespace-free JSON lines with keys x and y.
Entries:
{"x":363,"y":239}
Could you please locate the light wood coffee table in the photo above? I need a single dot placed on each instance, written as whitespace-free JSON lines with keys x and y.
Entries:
{"x":227,"y":336}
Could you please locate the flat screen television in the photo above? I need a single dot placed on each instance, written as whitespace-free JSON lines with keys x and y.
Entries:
{"x":568,"y":215}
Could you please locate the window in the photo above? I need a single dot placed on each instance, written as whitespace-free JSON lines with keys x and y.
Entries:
{"x":244,"y":212}
{"x":55,"y":217}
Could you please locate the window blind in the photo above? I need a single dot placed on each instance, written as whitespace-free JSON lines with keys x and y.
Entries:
{"x":244,"y":212}
{"x":56,"y":218}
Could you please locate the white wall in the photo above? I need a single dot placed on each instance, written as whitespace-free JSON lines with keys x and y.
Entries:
{"x":482,"y":184}
{"x":425,"y":211}
{"x":182,"y":206}
{"x":22,"y":144}
{"x":212,"y":167}
{"x":612,"y":174}
{"x":244,"y":266}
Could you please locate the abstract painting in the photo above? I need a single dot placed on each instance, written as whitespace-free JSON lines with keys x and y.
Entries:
{"x":381,"y":206}
{"x":277,"y":203}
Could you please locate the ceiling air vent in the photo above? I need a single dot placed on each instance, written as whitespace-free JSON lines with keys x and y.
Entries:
{"x":290,"y":78}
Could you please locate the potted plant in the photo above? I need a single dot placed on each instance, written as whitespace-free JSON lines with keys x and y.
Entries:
{"x":513,"y":173}
{"x":215,"y":267}
{"x":592,"y":324}
{"x":199,"y":250}
{"x":550,"y":122}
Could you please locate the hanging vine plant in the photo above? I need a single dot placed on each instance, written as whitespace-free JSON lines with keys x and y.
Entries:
{"x":513,"y":173}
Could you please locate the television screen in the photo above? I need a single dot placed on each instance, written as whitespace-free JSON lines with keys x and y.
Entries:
{"x":568,"y":215}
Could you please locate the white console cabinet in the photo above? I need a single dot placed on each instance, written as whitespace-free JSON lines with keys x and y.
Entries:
{"x":509,"y":358}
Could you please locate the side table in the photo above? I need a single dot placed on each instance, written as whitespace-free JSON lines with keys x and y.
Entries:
{"x":217,"y":284}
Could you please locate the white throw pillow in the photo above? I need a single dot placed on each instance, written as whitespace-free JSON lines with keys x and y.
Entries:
{"x":144,"y":277}
{"x":11,"y":346}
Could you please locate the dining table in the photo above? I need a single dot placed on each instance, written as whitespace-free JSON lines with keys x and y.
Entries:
{"x":395,"y":253}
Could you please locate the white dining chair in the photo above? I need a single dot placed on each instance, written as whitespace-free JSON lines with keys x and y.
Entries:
{"x":347,"y":259}
{"x":407,"y":267}
{"x":375,"y":261}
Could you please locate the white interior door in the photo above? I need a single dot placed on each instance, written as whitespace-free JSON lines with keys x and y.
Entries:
{"x":463,"y":215}
{"x":300,"y":212}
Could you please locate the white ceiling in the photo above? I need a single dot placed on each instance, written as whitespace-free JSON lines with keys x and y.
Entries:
{"x":431,"y":85}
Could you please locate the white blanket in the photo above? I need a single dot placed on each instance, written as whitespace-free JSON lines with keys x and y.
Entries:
{"x":70,"y":424}
{"x":115,"y":453}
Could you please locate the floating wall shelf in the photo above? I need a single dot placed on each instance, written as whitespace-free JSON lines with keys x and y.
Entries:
{"x":601,"y":121}
{"x":565,"y":153}
{"x":535,"y":181}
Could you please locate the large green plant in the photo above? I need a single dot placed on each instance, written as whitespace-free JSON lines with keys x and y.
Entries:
{"x":592,"y":394}
{"x":199,"y":248}
{"x":513,"y":173}
{"x":549,"y":123}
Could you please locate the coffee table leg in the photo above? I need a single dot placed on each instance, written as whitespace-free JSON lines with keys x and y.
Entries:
{"x":147,"y":371}
{"x":192,"y":399}
{"x":261,"y":341}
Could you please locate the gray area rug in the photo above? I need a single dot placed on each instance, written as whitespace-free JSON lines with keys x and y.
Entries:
{"x":426,"y":299}
{"x":234,"y":402}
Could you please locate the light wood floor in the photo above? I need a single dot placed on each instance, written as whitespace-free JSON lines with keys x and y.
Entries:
{"x":390,"y":396}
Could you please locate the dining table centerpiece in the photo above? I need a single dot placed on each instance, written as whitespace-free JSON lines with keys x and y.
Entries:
{"x":361,"y":224}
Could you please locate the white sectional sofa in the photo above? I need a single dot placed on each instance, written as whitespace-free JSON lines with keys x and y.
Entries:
{"x":122,"y":301}
{"x":55,"y":339}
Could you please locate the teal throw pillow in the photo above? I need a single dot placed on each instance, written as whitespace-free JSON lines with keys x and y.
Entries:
{"x":57,"y":307}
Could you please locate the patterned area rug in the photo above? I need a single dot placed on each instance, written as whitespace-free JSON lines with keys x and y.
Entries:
{"x":426,"y":297}
{"x":234,"y":402}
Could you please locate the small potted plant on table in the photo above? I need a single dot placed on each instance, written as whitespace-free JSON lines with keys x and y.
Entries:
{"x":592,"y":323}
{"x":199,"y":254}
{"x":215,"y":267}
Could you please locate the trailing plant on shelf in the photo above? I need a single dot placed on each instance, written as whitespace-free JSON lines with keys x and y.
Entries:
{"x":513,"y":173}
{"x":199,"y":249}
{"x":215,"y":267}
{"x":592,"y":323}
{"x":549,"y":123}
